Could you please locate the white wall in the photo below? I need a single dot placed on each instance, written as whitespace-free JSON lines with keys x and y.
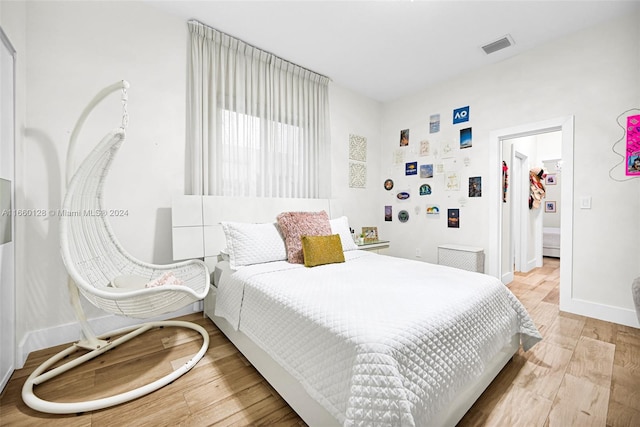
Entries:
{"x":354,"y":114}
{"x":591,"y":75}
{"x":75,"y":49}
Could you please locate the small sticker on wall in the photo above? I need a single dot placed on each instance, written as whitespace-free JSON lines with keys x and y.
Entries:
{"x":403,"y":195}
{"x":433,"y":209}
{"x":403,"y":216}
{"x":425,"y":189}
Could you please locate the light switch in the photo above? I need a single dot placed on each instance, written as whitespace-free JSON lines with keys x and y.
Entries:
{"x":585,"y":202}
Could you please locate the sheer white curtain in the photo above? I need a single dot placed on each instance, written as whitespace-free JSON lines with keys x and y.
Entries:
{"x":257,"y":125}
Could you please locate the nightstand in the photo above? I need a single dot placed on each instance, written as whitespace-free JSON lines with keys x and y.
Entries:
{"x":379,"y":246}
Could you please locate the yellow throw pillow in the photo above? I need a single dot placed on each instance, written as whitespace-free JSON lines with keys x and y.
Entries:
{"x":320,"y":250}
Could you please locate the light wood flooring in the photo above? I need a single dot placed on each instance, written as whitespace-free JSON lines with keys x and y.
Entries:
{"x":584,"y":373}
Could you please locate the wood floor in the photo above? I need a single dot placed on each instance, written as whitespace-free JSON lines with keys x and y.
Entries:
{"x":584,"y":373}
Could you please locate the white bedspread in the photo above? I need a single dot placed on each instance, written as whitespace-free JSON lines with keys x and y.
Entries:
{"x":377,"y":340}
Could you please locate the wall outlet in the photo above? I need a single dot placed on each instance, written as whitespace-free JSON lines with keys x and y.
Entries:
{"x":418,"y":253}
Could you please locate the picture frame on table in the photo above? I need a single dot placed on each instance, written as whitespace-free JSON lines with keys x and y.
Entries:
{"x":370,"y":234}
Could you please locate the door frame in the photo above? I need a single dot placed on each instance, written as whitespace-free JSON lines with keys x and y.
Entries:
{"x":8,"y":290}
{"x":494,"y":259}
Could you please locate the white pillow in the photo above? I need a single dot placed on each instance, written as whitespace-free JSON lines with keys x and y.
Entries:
{"x":341,"y":226}
{"x":249,"y":244}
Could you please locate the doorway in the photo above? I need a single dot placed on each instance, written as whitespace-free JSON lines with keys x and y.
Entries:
{"x":524,"y":227}
{"x":496,"y":256}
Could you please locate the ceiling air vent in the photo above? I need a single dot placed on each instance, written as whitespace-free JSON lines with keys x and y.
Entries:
{"x":497,"y":45}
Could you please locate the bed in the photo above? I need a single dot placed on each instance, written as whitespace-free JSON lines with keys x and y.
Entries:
{"x":373,"y":340}
{"x":551,"y":242}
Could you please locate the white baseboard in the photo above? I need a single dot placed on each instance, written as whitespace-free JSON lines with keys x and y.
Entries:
{"x":507,"y":277}
{"x":7,"y":376}
{"x":619,"y":315}
{"x":71,"y":332}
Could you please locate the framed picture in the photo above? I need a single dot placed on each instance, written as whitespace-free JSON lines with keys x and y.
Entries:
{"x":550,"y":179}
{"x":453,"y":218}
{"x":404,"y":137}
{"x":550,"y":206}
{"x":465,"y":138}
{"x":426,"y":171}
{"x":370,"y":234}
{"x":388,"y":213}
{"x":475,"y":186}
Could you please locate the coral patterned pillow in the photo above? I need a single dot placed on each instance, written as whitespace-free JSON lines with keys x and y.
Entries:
{"x":294,"y":225}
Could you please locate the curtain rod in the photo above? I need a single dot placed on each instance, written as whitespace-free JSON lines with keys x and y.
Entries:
{"x":195,"y":21}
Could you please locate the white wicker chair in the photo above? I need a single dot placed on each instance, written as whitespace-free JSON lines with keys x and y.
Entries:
{"x":94,"y":258}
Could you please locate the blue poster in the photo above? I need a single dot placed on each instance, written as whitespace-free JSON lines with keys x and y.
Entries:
{"x":411,"y":168}
{"x":466,"y":140}
{"x":461,"y":115}
{"x":426,"y":171}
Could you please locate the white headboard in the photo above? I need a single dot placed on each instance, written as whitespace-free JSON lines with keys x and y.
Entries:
{"x":195,"y":220}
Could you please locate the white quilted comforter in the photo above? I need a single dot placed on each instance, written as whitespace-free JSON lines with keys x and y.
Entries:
{"x":377,"y":340}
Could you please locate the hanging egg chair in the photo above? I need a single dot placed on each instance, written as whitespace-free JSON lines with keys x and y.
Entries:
{"x":102,"y":271}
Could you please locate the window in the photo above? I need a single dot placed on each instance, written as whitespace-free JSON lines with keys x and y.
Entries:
{"x":258,"y":126}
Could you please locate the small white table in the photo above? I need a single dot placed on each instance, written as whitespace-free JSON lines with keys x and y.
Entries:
{"x":469,"y":258}
{"x":379,"y":246}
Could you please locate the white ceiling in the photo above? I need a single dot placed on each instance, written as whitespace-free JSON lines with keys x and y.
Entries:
{"x":387,"y":49}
